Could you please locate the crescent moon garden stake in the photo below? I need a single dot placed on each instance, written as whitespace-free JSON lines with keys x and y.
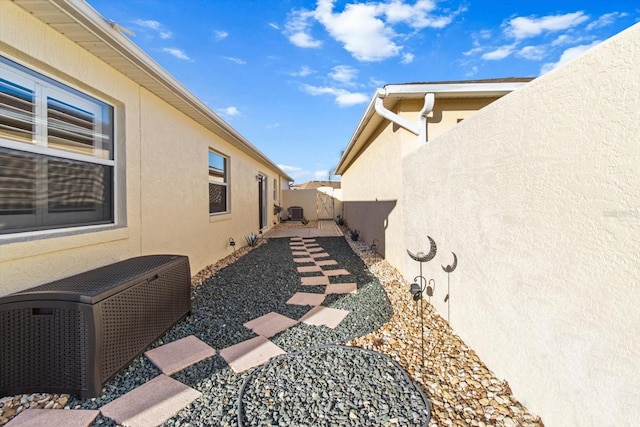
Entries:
{"x":420,"y":284}
{"x":449,"y":269}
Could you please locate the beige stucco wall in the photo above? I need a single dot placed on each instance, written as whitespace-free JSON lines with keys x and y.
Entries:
{"x":538,"y":196}
{"x":164,"y":188}
{"x":306,"y":199}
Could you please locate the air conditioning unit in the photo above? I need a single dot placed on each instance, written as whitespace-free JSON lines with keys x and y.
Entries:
{"x":295,"y":213}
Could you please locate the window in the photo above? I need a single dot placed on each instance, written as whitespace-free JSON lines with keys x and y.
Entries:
{"x":218,"y":183}
{"x":56,"y":154}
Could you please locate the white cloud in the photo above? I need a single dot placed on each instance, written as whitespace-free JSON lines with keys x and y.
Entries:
{"x":220,"y":34}
{"x":499,"y":53}
{"x":304,"y":71}
{"x":472,"y":72}
{"x":408,"y":58}
{"x":568,"y":55}
{"x":295,"y":172}
{"x":534,"y":53}
{"x":274,"y":25}
{"x":366,"y":30}
{"x":604,"y":20}
{"x":178,"y":53}
{"x":321,"y":175}
{"x":154,"y":25}
{"x":297,"y":27}
{"x":236,"y":60}
{"x":521,"y":27}
{"x":165,"y":35}
{"x":359,"y":29}
{"x":344,"y":74}
{"x":230,"y":111}
{"x":343,"y":97}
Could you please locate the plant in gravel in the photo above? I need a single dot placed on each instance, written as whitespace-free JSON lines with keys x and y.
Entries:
{"x":252,"y":239}
{"x":355,"y":234}
{"x":340,"y":220}
{"x":305,"y":221}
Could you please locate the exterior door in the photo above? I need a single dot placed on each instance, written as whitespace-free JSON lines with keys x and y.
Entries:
{"x":262,"y":201}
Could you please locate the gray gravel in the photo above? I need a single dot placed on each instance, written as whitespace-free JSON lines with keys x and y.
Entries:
{"x":256,"y":284}
{"x":332,"y":385}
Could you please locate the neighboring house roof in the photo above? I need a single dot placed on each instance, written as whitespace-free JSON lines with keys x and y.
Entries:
{"x":313,"y":185}
{"x":80,"y":23}
{"x":391,"y":94}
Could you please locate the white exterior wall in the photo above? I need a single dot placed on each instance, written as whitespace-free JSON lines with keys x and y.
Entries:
{"x":538,"y":195}
{"x":164,"y":157}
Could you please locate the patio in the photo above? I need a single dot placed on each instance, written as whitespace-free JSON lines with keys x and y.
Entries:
{"x":290,"y":294}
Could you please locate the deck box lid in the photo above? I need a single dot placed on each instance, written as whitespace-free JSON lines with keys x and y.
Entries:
{"x":95,"y":285}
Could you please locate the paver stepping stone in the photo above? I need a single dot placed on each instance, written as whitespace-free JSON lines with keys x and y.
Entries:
{"x":312,"y":245}
{"x":314,"y":280}
{"x":175,"y":356}
{"x":296,"y":239}
{"x":53,"y":417}
{"x":319,"y":255}
{"x":314,"y":250}
{"x":327,"y":316}
{"x":151,"y":404}
{"x":307,"y":240}
{"x":303,"y":260}
{"x":250,"y":353}
{"x":342,"y":288}
{"x":322,"y":263}
{"x":336,"y":272}
{"x":304,"y":298}
{"x":309,"y":269}
{"x":300,"y":253}
{"x":270,"y":324}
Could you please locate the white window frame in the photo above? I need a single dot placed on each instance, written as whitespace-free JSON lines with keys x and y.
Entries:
{"x":224,"y":183}
{"x":44,"y":88}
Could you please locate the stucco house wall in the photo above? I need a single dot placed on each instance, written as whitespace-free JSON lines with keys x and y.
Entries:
{"x":537,"y":194}
{"x":161,"y":166}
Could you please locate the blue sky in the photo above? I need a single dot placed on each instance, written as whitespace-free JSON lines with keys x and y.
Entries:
{"x":295,"y":76}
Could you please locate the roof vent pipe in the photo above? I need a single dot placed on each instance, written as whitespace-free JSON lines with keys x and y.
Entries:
{"x":419,"y":129}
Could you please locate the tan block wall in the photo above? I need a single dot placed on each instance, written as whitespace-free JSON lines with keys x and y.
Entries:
{"x":165,"y":157}
{"x":538,"y":196}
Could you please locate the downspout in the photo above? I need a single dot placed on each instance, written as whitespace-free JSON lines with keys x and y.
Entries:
{"x":419,"y":129}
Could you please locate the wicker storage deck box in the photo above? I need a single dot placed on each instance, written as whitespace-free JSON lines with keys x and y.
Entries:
{"x":74,"y":334}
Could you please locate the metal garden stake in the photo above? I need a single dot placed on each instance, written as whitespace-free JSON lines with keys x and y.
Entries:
{"x":449,"y":269}
{"x":420,"y":284}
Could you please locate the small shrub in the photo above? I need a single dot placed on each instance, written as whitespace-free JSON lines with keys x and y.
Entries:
{"x":340,"y":220}
{"x":252,"y":239}
{"x":355,"y":234}
{"x":305,"y":221}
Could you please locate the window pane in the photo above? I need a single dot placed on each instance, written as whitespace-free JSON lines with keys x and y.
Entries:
{"x":70,"y":128}
{"x":217,"y":167}
{"x":217,"y":198}
{"x":16,"y":111}
{"x":17,"y":184}
{"x":41,"y":192}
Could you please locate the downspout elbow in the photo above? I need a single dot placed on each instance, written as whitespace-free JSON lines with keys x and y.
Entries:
{"x":393,"y":117}
{"x":429,"y":102}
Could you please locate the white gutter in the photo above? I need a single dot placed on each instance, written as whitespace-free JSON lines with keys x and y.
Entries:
{"x":420,"y":128}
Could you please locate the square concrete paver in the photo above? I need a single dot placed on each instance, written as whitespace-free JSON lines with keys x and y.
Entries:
{"x":314,"y":280}
{"x":336,"y":272}
{"x":342,"y":288}
{"x":270,"y":324}
{"x":53,"y":417}
{"x":327,"y":316}
{"x":250,"y":353}
{"x":303,"y":298}
{"x":303,"y":260}
{"x":175,"y":356}
{"x":151,"y":404}
{"x":319,"y":255}
{"x":309,"y":269}
{"x":322,"y":263}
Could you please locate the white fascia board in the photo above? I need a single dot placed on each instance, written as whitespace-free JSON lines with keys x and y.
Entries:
{"x":418,"y":90}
